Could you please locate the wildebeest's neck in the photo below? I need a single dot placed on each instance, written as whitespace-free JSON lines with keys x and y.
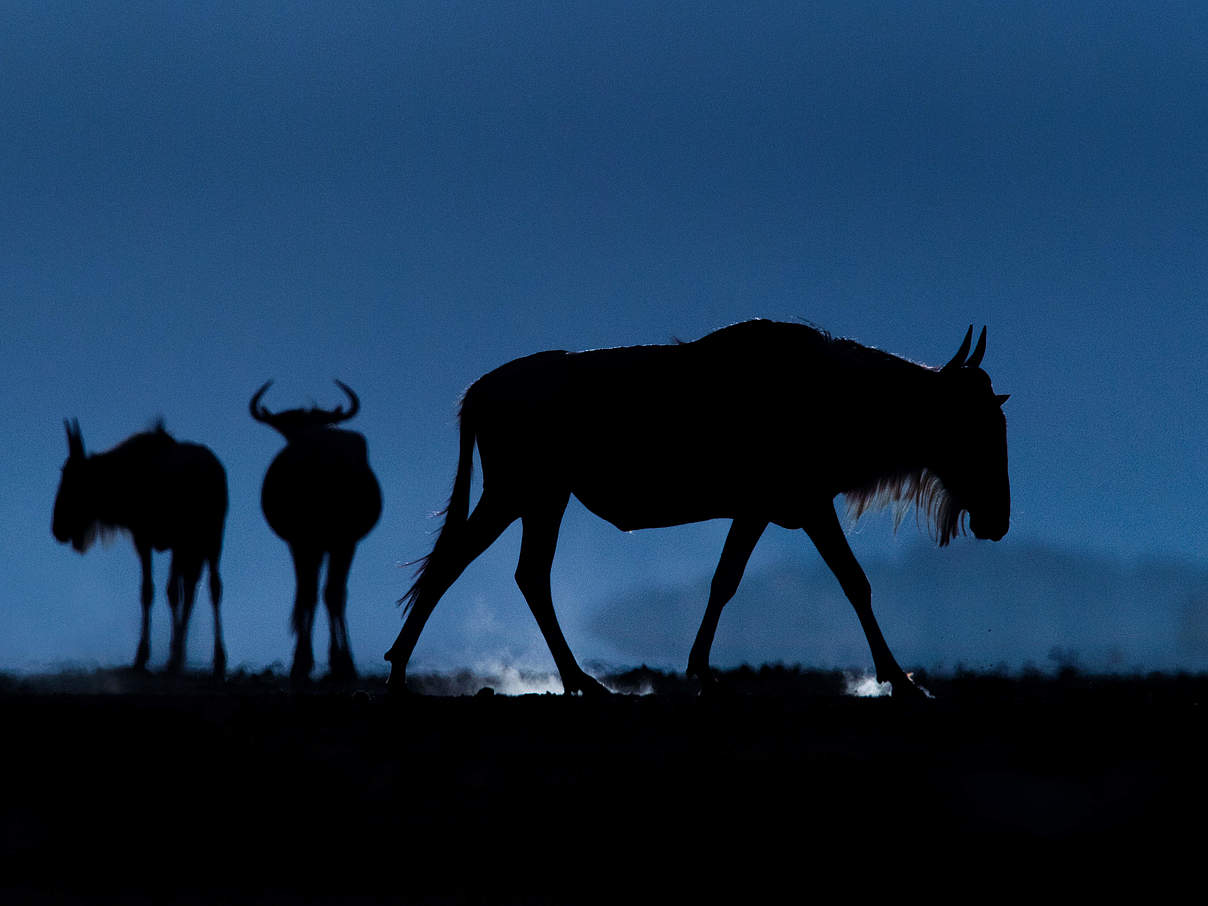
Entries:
{"x":855,"y":413}
{"x":895,"y":452}
{"x":301,"y":431}
{"x":123,"y":480}
{"x":887,"y":415}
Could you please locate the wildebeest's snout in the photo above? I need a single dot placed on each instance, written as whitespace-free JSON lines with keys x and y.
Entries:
{"x":989,"y":529}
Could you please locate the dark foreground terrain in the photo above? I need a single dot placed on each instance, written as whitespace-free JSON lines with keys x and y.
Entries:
{"x":144,"y":789}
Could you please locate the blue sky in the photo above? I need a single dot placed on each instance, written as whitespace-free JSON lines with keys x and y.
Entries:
{"x":404,"y":196}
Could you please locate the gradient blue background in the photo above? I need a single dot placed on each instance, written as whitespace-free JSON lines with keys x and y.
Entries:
{"x":403,"y":196}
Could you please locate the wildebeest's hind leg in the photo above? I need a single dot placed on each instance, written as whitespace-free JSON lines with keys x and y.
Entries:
{"x":456,"y":547}
{"x":744,"y":535}
{"x":215,"y":601}
{"x":826,"y":533}
{"x":306,"y":572}
{"x":146,"y":596}
{"x":335,"y":597}
{"x":537,"y":545}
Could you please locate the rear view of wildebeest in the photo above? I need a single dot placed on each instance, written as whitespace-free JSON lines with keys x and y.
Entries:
{"x":759,"y":422}
{"x":320,"y":497}
{"x":169,"y":495}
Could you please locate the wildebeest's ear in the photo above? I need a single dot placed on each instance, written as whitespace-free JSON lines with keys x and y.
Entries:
{"x":1002,"y":398}
{"x":75,"y":440}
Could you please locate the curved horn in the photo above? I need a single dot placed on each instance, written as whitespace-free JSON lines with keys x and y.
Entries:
{"x":959,"y":359}
{"x":978,"y":351}
{"x":338,"y":413}
{"x":259,"y":413}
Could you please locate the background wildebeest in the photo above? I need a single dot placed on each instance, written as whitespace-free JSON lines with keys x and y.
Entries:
{"x":760,"y":422}
{"x":321,"y":498}
{"x":170,"y":496}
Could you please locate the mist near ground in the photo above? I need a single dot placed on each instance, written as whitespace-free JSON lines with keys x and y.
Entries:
{"x":971,"y":606}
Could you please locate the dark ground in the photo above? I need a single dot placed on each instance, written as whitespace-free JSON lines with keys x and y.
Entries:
{"x":145,"y":789}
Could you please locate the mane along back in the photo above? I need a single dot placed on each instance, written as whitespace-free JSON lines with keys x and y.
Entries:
{"x":762,"y":334}
{"x":761,"y":338}
{"x":921,"y":489}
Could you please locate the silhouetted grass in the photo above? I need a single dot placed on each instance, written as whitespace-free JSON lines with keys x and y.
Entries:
{"x":770,"y":680}
{"x":129,"y":786}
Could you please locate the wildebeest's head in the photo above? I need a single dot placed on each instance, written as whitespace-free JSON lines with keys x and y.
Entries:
{"x":75,"y":518}
{"x":292,"y":423}
{"x":972,"y":461}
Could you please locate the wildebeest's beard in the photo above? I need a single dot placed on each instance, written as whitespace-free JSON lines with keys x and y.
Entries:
{"x":82,"y":533}
{"x":921,"y":489}
{"x":67,"y":524}
{"x":85,"y":537}
{"x":73,"y":514}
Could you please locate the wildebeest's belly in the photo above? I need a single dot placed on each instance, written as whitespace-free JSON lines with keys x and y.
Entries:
{"x":637,"y":508}
{"x":653,"y":485}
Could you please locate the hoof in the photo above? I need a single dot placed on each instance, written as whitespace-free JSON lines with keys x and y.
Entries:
{"x":905,"y":689}
{"x":709,"y":684}
{"x":589,"y":687}
{"x":341,"y":669}
{"x":396,"y":685}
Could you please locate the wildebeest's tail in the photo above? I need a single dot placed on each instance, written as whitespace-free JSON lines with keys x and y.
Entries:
{"x":458,"y":507}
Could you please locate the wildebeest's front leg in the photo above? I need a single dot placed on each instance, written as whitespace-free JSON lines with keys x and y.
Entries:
{"x":744,"y":535}
{"x":335,"y":597}
{"x":216,"y":603}
{"x":825,"y":531}
{"x":306,"y":573}
{"x":146,"y":596}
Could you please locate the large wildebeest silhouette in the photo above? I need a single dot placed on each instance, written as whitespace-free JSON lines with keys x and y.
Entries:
{"x":760,"y":422}
{"x":321,"y":498}
{"x":169,"y":495}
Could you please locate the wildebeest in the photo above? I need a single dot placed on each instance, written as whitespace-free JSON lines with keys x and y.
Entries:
{"x":321,"y":498}
{"x":759,"y":422}
{"x":169,"y":495}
